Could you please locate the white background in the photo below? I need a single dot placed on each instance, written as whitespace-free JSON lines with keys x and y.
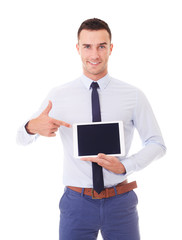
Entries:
{"x":37,"y":52}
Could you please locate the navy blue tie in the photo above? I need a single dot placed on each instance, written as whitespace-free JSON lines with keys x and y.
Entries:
{"x":98,"y":182}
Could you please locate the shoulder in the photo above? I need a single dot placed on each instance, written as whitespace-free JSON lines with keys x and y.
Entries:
{"x":124,"y":86}
{"x":127,"y":90}
{"x":65,"y":88}
{"x":121,"y":83}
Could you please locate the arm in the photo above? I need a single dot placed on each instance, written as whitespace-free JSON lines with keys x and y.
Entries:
{"x":150,"y":134}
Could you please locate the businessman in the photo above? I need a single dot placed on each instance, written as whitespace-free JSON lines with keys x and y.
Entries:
{"x":97,"y":194}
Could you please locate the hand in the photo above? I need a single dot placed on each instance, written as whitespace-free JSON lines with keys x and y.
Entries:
{"x":45,"y":125}
{"x":110,"y":163}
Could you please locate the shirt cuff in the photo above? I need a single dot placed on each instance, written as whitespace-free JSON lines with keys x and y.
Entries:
{"x":23,"y":137}
{"x":128,"y":164}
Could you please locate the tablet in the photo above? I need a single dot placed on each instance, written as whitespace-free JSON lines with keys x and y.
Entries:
{"x":90,"y":139}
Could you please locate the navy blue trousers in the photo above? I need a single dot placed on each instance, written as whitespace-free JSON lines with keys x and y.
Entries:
{"x":81,"y":217}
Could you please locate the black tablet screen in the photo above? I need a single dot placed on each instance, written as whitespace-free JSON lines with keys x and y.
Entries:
{"x":98,"y":138}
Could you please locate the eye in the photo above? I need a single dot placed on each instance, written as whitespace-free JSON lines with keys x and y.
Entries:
{"x":87,"y":46}
{"x":102,"y":47}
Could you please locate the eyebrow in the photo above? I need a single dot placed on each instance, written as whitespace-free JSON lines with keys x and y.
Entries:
{"x":100,"y":44}
{"x":104,"y":43}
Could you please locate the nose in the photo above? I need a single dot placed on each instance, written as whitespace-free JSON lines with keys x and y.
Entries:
{"x":95,"y":53}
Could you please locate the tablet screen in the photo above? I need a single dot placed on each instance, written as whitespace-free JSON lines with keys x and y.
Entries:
{"x":93,"y":138}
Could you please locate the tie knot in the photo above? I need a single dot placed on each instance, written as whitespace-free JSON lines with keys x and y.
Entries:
{"x":94,"y":85}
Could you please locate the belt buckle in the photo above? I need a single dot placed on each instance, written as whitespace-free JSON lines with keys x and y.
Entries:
{"x":93,"y":197}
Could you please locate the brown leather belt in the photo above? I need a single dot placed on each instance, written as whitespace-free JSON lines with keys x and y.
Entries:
{"x":121,"y":188}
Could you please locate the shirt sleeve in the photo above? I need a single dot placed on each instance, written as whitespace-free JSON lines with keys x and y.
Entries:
{"x":23,"y":137}
{"x":150,"y":134}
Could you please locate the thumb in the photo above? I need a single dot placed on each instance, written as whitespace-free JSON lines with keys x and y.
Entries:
{"x":101,"y":155}
{"x":104,"y":156}
{"x":48,"y":108}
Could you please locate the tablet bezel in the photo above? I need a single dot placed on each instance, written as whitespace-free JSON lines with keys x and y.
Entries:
{"x":121,"y":137}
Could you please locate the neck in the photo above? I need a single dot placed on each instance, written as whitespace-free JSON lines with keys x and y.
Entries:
{"x":95,"y":77}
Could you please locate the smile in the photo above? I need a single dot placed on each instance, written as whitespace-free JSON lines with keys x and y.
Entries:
{"x":93,"y":63}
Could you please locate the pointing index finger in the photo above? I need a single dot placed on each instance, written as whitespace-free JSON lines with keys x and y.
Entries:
{"x":61,"y":123}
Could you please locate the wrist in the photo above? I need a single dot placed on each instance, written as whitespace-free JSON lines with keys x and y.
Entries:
{"x":28,"y":128}
{"x":122,"y":169}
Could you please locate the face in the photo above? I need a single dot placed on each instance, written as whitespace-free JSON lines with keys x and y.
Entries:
{"x":94,"y":48}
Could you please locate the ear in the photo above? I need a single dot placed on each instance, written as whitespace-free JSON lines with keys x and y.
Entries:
{"x":78,"y":48}
{"x":111,"y":48}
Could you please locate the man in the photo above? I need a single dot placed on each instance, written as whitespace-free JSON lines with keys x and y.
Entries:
{"x":112,"y":207}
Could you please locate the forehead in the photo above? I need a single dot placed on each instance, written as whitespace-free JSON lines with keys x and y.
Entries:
{"x":94,"y":36}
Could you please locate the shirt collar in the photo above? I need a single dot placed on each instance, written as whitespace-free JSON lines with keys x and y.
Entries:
{"x":103,"y":82}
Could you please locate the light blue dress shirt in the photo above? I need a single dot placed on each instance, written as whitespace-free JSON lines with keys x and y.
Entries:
{"x":118,"y":101}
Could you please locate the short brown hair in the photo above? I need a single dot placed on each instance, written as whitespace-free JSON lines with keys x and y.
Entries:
{"x":94,"y":24}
